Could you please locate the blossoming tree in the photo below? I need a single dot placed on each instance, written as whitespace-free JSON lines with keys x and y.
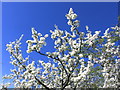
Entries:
{"x":75,"y":56}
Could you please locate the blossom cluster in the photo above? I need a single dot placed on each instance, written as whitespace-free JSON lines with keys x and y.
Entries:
{"x":71,"y":16}
{"x":73,"y":63}
{"x":36,"y":43}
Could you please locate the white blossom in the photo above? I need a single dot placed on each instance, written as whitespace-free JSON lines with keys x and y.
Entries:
{"x":73,"y":61}
{"x":36,"y":44}
{"x":80,"y":55}
{"x":71,"y":14}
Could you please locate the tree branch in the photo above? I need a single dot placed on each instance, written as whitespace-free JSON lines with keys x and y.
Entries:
{"x":42,"y":83}
{"x":35,"y":76}
{"x":55,"y":59}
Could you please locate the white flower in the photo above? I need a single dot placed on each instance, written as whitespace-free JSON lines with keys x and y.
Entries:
{"x":90,"y":57}
{"x":7,"y":77}
{"x":74,"y":35}
{"x":20,"y":57}
{"x":39,"y":34}
{"x":72,"y":53}
{"x":46,"y":36}
{"x":106,"y":32}
{"x":73,"y":28}
{"x":7,"y":85}
{"x":57,"y":41}
{"x":71,"y":14}
{"x":97,"y":32}
{"x":40,"y":61}
{"x":69,"y":22}
{"x":36,"y":44}
{"x":80,"y":55}
{"x":76,"y":23}
{"x":71,"y":11}
{"x":28,"y":51}
{"x":42,"y":38}
{"x":87,"y":28}
{"x":34,"y":31}
{"x":65,"y":58}
{"x":56,"y":33}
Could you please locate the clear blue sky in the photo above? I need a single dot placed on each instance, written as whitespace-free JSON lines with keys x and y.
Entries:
{"x":18,"y":18}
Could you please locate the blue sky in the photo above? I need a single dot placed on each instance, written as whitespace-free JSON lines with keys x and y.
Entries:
{"x":19,"y":18}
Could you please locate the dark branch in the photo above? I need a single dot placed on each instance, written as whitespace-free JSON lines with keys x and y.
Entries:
{"x":55,"y":59}
{"x":35,"y":76}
